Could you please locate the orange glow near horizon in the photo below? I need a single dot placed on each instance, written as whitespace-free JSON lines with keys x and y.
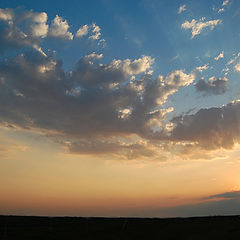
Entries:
{"x":47,"y":182}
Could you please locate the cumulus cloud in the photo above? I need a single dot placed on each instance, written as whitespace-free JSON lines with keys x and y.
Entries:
{"x":93,"y":105}
{"x":6,"y":15}
{"x":214,"y":86}
{"x":197,"y":26}
{"x":39,"y":27}
{"x":22,"y":28}
{"x":182,"y":9}
{"x":221,"y":55}
{"x":59,"y":28}
{"x":25,"y":28}
{"x":96,"y":32}
{"x":211,"y":128}
{"x":82,"y":31}
{"x":93,"y":31}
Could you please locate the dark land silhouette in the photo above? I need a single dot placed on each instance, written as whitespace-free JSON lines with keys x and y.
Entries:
{"x":36,"y":228}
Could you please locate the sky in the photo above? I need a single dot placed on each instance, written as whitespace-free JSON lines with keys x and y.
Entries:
{"x":120,"y":108}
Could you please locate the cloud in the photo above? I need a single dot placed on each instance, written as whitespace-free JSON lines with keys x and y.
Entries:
{"x":96,"y":32}
{"x":118,"y":149}
{"x":113,"y":108}
{"x":198,"y":26}
{"x":93,"y":29}
{"x":21,"y":29}
{"x":201,"y":68}
{"x":221,"y":10}
{"x":228,"y":195}
{"x":214,"y":86}
{"x":93,"y":32}
{"x":221,"y":55}
{"x":226,"y":2}
{"x":82,"y":31}
{"x":6,"y":15}
{"x":182,"y":9}
{"x":59,"y":28}
{"x":93,"y":105}
{"x":211,"y":128}
{"x":236,"y":57}
{"x":209,"y":208}
{"x":237,"y":67}
{"x":39,"y":28}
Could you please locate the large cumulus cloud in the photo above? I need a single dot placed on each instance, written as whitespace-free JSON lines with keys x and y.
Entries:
{"x":20,"y":28}
{"x":90,"y":105}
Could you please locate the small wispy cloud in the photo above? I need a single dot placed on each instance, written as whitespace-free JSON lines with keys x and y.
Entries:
{"x":197,"y":26}
{"x":222,"y":8}
{"x":201,"y":68}
{"x":182,"y":8}
{"x":226,"y":2}
{"x":237,"y":67}
{"x":174,"y":58}
{"x":221,"y":55}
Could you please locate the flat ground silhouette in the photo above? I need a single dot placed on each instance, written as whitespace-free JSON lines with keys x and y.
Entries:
{"x":36,"y":228}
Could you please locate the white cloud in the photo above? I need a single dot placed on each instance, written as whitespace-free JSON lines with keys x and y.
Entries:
{"x":133,"y":67}
{"x":22,"y":28}
{"x":39,"y":27}
{"x":6,"y":14}
{"x":226,"y":2}
{"x":59,"y":29}
{"x":221,"y":10}
{"x":93,"y":31}
{"x":198,"y":26}
{"x":96,"y":32}
{"x":94,"y":56}
{"x":82,"y":31}
{"x":182,"y":9}
{"x":231,"y":61}
{"x":221,"y":55}
{"x":201,"y":68}
{"x":237,"y":67}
